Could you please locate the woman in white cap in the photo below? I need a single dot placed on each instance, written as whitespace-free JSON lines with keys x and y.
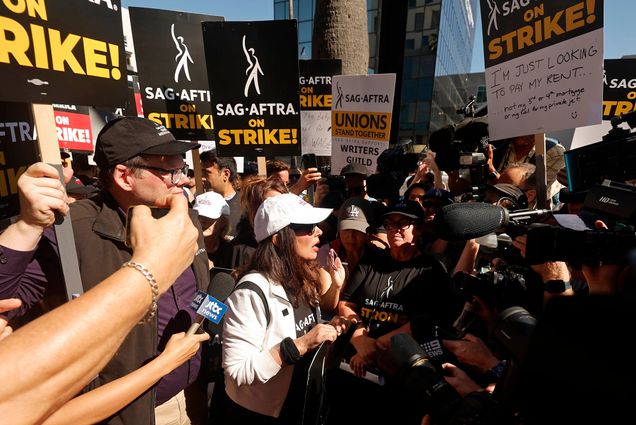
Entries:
{"x":268,"y":336}
{"x":214,"y":215}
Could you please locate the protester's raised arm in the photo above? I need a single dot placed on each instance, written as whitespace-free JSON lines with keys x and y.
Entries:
{"x":60,"y":352}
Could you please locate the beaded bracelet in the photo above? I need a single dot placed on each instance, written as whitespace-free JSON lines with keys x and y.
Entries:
{"x":152,"y":311}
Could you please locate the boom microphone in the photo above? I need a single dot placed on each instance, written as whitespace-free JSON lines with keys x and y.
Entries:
{"x":471,"y":220}
{"x":212,"y":307}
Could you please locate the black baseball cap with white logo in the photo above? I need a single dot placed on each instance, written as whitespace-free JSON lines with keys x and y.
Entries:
{"x":409,"y":209}
{"x":126,"y":137}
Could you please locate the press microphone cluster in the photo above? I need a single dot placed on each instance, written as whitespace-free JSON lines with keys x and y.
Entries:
{"x":475,"y":219}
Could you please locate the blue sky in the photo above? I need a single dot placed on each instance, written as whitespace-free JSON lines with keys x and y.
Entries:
{"x":619,"y":19}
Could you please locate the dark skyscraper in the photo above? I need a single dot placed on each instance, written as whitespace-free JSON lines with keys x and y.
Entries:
{"x":438,"y":43}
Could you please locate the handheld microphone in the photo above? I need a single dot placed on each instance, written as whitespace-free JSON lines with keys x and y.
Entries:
{"x":209,"y":305}
{"x":475,"y":219}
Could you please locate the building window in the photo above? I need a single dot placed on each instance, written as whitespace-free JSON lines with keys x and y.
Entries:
{"x":306,"y":9}
{"x":411,"y":66}
{"x":304,"y":31}
{"x":425,"y":89}
{"x":419,"y":21}
{"x":423,"y":112}
{"x":281,"y":11}
{"x":409,"y":43}
{"x":372,"y":21}
{"x":409,"y":91}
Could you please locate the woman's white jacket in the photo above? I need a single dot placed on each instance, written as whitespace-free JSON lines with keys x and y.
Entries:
{"x":253,"y":379}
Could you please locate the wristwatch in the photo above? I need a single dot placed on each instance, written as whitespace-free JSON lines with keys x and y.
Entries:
{"x":496,"y":372}
{"x":556,"y":286}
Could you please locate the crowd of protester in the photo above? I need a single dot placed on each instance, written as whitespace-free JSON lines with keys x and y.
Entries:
{"x":349,"y":259}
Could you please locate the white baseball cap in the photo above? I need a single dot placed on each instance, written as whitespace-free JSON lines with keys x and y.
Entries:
{"x":278,"y":212}
{"x":211,"y":205}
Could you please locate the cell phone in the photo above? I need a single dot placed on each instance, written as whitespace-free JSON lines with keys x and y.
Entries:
{"x":309,"y":161}
{"x":156,"y":212}
{"x":445,"y":334}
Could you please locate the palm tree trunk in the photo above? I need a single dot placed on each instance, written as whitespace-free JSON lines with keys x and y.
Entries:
{"x":340,"y":32}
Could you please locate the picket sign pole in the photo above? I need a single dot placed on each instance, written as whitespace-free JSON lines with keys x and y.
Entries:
{"x":541,"y":178}
{"x":262,"y":166}
{"x":50,"y":153}
{"x":198,"y":175}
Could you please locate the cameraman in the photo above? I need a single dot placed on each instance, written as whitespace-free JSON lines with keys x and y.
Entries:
{"x":521,"y":149}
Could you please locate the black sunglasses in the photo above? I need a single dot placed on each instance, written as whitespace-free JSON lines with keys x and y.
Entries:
{"x":303,"y":229}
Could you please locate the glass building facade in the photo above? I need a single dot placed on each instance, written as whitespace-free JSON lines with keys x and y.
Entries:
{"x":439,"y":38}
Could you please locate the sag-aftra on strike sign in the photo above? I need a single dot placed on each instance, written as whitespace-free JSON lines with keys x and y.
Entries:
{"x":62,"y":51}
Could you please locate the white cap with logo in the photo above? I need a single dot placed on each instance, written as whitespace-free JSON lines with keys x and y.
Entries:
{"x":211,"y":205}
{"x":278,"y":212}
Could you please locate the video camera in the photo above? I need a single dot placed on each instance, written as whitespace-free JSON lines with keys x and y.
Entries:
{"x":612,"y":202}
{"x":613,"y":158}
{"x":424,"y":390}
{"x":497,"y":289}
{"x":461,"y":145}
{"x":394,"y":165}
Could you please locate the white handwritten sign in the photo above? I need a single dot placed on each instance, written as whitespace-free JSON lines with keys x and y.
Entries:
{"x":544,"y":65}
{"x":552,"y":89}
{"x":316,"y":132}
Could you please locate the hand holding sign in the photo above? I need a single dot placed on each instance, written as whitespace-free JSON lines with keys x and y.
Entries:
{"x":41,"y":196}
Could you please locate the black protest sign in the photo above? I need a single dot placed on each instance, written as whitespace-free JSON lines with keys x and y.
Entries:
{"x":172,"y":74}
{"x":253,"y":72}
{"x":513,"y":28}
{"x":62,"y":51}
{"x":18,"y":149}
{"x":315,"y":103}
{"x":619,"y":87}
{"x":315,"y":83}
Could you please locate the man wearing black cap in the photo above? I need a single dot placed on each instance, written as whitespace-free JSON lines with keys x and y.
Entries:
{"x":140,"y":163}
{"x":355,"y":179}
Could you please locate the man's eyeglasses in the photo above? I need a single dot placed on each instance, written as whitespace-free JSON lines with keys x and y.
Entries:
{"x":303,"y":229}
{"x":397,"y":225}
{"x":176,"y":174}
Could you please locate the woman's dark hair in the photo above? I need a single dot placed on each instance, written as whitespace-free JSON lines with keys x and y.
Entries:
{"x":418,"y":185}
{"x":280,"y":263}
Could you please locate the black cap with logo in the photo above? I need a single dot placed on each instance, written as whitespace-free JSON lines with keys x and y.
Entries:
{"x":126,"y":137}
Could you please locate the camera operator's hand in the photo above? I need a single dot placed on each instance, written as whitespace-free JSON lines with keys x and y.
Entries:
{"x":308,"y":177}
{"x":472,"y":351}
{"x":520,"y":243}
{"x":459,"y":380}
{"x":551,"y":270}
{"x":366,"y":347}
{"x":491,"y":167}
{"x":602,"y":278}
{"x":358,"y":365}
{"x":322,"y":189}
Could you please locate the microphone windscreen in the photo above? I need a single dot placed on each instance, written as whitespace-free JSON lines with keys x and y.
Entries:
{"x":468,"y":220}
{"x":220,"y":287}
